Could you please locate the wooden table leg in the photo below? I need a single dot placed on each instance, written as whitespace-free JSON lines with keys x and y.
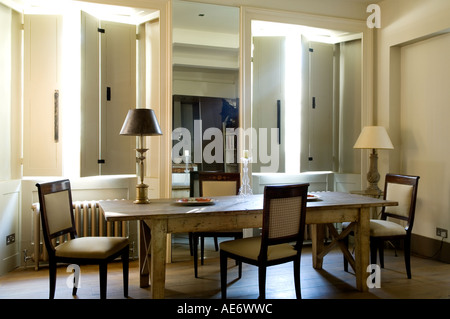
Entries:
{"x":362,"y":231}
{"x":317,"y":238}
{"x":144,"y":256}
{"x":158,"y":260}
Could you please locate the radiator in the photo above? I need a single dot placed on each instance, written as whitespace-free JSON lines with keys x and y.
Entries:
{"x":89,"y":221}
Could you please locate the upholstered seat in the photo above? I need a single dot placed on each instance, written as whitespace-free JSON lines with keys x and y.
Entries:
{"x":281,"y":241}
{"x":379,"y":228}
{"x":91,"y":247}
{"x":382,"y":228}
{"x":396,"y":222}
{"x":55,"y":200}
{"x":250,"y":248}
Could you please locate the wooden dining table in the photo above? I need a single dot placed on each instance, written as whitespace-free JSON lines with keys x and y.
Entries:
{"x":164,"y":216}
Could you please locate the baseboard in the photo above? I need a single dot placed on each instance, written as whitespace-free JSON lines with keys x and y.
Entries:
{"x":430,"y":248}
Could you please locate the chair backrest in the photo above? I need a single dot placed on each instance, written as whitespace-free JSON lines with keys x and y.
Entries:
{"x":403,"y":189}
{"x":55,"y":200}
{"x":218,"y":183}
{"x":283,"y":215}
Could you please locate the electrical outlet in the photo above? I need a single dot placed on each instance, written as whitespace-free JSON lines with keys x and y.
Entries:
{"x":10,"y":239}
{"x":441,"y":232}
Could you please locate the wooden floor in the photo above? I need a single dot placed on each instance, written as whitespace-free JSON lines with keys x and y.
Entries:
{"x":430,"y":280}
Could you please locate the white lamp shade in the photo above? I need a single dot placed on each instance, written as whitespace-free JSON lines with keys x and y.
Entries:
{"x":374,"y":137}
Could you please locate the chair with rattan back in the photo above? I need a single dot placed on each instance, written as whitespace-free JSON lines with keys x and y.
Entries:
{"x":281,"y":240}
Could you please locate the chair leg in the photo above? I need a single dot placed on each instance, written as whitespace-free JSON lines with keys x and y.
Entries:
{"x":381,"y":253}
{"x":345,"y":241}
{"x":223,"y":274}
{"x":407,"y":252}
{"x":52,"y":279}
{"x":202,"y":249}
{"x":216,"y":243}
{"x":262,"y":282}
{"x":191,"y":244}
{"x":103,"y":271}
{"x":298,"y":291}
{"x":238,"y":263}
{"x":195,"y":252}
{"x":373,"y":251}
{"x":125,"y":266}
{"x":74,"y":289}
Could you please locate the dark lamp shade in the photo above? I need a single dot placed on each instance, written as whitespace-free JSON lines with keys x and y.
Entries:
{"x":141,"y":122}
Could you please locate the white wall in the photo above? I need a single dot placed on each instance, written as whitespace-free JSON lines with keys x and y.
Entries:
{"x":318,"y":181}
{"x":205,"y":82}
{"x":10,"y":93}
{"x":9,"y":224}
{"x":5,"y":90}
{"x":424,"y":120}
{"x":9,"y":138}
{"x":412,"y":101}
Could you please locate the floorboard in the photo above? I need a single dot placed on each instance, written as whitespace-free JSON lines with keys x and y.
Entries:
{"x":430,"y":279}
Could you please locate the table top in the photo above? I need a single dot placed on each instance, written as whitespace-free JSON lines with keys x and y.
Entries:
{"x":169,"y":208}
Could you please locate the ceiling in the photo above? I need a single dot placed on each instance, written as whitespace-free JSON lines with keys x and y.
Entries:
{"x":186,"y":14}
{"x":101,"y":11}
{"x":201,"y":16}
{"x":225,"y":19}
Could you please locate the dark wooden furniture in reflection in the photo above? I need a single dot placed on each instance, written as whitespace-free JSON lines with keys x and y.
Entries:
{"x":211,"y":184}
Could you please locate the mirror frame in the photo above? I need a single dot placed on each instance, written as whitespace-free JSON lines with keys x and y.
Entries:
{"x":173,"y":58}
{"x":325,"y":22}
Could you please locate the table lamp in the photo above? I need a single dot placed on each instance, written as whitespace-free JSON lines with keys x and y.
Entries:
{"x":141,"y":122}
{"x":373,"y":137}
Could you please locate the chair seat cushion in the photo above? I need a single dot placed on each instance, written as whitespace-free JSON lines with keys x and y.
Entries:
{"x":250,"y":248}
{"x":91,"y":247}
{"x":381,"y":228}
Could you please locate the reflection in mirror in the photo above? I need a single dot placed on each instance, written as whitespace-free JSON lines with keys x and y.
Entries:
{"x":307,"y":96}
{"x":205,"y":90}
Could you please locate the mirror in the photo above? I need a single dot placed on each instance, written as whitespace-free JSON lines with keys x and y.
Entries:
{"x":309,"y":117}
{"x":205,"y":90}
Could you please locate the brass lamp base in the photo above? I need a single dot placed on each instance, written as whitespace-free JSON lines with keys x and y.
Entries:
{"x":142,"y":194}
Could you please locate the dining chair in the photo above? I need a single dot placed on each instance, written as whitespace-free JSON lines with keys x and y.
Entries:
{"x":212,"y":184}
{"x":55,"y":200}
{"x":281,"y":241}
{"x":396,"y":222}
